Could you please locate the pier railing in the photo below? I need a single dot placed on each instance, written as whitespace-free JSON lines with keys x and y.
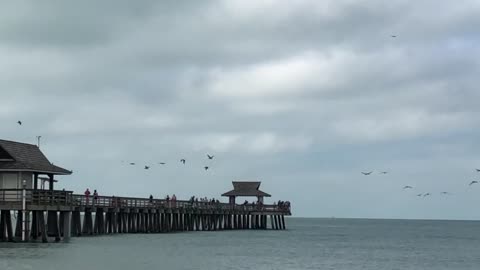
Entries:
{"x":67,"y":198}
{"x":37,"y":197}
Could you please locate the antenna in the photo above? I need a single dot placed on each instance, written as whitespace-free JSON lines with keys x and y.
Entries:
{"x":38,"y":141}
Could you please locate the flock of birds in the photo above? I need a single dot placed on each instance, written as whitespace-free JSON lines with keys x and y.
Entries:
{"x":427,"y":193}
{"x":183,"y":161}
{"x":210,"y":157}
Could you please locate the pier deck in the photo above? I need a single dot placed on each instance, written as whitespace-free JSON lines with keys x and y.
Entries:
{"x":68,"y":214}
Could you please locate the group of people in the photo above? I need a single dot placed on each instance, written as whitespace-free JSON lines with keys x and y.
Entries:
{"x":87,"y":196}
{"x":283,"y":205}
{"x":172,"y":201}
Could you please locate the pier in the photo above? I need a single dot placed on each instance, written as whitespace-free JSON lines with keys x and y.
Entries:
{"x":45,"y":214}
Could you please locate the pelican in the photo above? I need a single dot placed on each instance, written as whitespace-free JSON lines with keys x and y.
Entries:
{"x":182,"y":161}
{"x":473,"y":182}
{"x":147,"y":167}
{"x":19,"y":122}
{"x":132,"y":163}
{"x":383,"y":172}
{"x":206,"y":168}
{"x":446,"y":193}
{"x":210,"y":157}
{"x":419,"y":195}
{"x":426,"y":194}
{"x":366,"y":173}
{"x":407,"y":187}
{"x":162,"y":163}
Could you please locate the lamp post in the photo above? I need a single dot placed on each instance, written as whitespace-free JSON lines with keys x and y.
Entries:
{"x":24,"y":208}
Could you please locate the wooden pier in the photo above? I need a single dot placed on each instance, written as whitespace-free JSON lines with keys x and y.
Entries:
{"x":59,"y":215}
{"x":30,"y":213}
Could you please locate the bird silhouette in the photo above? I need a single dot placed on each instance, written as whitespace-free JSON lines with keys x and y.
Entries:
{"x":206,"y":168}
{"x":419,"y":195}
{"x":19,"y":122}
{"x":383,"y":172}
{"x":183,"y":161}
{"x":132,"y":163}
{"x":478,"y":170}
{"x":426,"y":194}
{"x":407,"y":187}
{"x":394,"y":36}
{"x":366,"y":173}
{"x":445,"y":193}
{"x":162,"y":163}
{"x":473,"y":182}
{"x":210,"y":157}
{"x":147,"y":167}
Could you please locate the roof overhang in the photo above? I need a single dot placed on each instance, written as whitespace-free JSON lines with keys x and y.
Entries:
{"x":34,"y":171}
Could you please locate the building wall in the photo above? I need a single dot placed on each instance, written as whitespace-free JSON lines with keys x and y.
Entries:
{"x":14,"y":180}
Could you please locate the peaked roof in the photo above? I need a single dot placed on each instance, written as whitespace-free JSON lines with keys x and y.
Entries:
{"x":246,"y":188}
{"x":26,"y":157}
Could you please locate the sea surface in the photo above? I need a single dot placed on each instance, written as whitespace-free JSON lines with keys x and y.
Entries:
{"x":307,"y":244}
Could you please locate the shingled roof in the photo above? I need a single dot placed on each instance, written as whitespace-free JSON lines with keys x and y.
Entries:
{"x":15,"y":157}
{"x":244,"y":188}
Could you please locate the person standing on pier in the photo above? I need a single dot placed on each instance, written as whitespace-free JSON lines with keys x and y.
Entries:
{"x":95,"y":197}
{"x":174,"y":200}
{"x":87,"y":196}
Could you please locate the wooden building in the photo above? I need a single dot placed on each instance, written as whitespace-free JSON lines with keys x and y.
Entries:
{"x":22,"y":163}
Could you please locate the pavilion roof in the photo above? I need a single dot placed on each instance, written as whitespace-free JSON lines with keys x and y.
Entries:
{"x":17,"y":157}
{"x":247,"y":189}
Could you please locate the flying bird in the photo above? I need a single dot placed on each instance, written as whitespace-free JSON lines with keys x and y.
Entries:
{"x":383,"y":172}
{"x":446,"y":193}
{"x":147,"y":167}
{"x":132,"y":163}
{"x":366,"y":173}
{"x":210,"y":157}
{"x":426,"y":194}
{"x":478,"y":170}
{"x":407,"y":187}
{"x":473,"y":182}
{"x":206,"y":168}
{"x":419,"y":195}
{"x":182,"y":161}
{"x":19,"y":122}
{"x":394,"y":36}
{"x":162,"y":163}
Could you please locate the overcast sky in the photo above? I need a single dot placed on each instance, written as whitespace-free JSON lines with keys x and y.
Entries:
{"x":301,"y":95}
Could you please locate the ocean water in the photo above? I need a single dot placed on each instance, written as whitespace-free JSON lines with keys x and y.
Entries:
{"x":307,"y":244}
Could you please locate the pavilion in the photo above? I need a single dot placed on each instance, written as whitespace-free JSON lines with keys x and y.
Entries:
{"x":246,"y":189}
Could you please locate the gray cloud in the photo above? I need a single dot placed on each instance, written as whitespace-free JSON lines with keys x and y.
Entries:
{"x":302,"y":95}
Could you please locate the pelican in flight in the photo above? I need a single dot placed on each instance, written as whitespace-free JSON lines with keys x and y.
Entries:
{"x":478,"y":170}
{"x":19,"y":122}
{"x":147,"y":167}
{"x":383,"y":172}
{"x":132,"y":163}
{"x":419,"y":195}
{"x":446,"y":193}
{"x":183,"y":161}
{"x":407,"y":187}
{"x":366,"y":173}
{"x":473,"y":182}
{"x":162,"y":163}
{"x":206,"y":168}
{"x":210,"y":157}
{"x":426,"y":194}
